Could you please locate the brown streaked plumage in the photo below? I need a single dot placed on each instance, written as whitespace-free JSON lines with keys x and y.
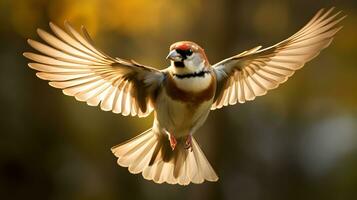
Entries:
{"x":181,"y":95}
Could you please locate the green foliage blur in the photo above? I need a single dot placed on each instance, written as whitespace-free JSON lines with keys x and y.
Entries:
{"x":297,"y":142}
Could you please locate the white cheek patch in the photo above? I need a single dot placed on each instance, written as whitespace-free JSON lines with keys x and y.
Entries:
{"x":190,"y":67}
{"x":194,"y":65}
{"x":194,"y":84}
{"x":181,"y":70}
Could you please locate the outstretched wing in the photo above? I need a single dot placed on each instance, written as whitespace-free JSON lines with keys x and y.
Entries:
{"x":252,"y":73}
{"x":70,"y":62}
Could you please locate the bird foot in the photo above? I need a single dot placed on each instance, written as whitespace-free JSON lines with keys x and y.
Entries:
{"x":173,"y":142}
{"x":188,"y":143}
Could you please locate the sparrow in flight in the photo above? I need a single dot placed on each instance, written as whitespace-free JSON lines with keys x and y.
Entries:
{"x":180,"y":96}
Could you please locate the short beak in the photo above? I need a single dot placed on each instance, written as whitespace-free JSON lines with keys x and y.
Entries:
{"x":174,"y":56}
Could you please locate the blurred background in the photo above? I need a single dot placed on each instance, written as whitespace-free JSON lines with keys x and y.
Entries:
{"x":297,"y":142}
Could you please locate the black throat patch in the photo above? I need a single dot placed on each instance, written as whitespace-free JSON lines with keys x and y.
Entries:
{"x":192,"y":75}
{"x":179,"y":64}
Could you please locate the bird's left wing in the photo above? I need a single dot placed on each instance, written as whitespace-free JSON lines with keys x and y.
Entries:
{"x":252,"y":73}
{"x":70,"y":62}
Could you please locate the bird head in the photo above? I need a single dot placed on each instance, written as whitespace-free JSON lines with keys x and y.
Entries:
{"x":187,"y":57}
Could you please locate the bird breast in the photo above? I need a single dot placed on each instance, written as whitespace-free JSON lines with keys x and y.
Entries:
{"x":193,"y":90}
{"x":180,"y":109}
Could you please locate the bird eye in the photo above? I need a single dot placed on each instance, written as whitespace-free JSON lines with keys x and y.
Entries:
{"x":185,"y":53}
{"x":189,"y":52}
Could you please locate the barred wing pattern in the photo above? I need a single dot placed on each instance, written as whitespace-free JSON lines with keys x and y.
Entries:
{"x":70,"y":62}
{"x":252,"y":73}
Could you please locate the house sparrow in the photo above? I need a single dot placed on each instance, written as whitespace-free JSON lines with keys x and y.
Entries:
{"x":181,"y":96}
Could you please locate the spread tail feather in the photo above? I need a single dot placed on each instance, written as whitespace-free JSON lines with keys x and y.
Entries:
{"x":150,"y":154}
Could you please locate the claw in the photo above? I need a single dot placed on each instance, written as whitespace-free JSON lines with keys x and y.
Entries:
{"x":188,"y":143}
{"x":173,"y":142}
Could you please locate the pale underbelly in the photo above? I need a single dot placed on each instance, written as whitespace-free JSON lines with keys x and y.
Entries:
{"x":180,"y":118}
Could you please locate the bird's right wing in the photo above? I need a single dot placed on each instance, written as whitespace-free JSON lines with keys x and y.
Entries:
{"x":71,"y":63}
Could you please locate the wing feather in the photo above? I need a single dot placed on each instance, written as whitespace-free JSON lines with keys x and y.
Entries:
{"x":258,"y":70}
{"x":70,"y":62}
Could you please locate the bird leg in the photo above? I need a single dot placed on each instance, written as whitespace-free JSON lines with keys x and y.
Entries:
{"x":188,"y":143}
{"x":173,"y":141}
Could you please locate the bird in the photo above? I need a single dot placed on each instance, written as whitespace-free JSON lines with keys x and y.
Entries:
{"x":181,"y":96}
